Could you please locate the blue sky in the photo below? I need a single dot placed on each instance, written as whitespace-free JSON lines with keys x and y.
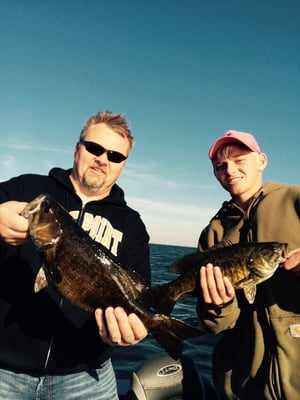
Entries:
{"x":182,"y":71}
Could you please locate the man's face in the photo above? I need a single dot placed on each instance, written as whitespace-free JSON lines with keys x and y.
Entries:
{"x":96,"y":174}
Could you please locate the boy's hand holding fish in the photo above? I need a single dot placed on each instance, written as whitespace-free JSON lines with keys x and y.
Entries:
{"x":116,"y":328}
{"x":293,"y":261}
{"x":216,"y":288}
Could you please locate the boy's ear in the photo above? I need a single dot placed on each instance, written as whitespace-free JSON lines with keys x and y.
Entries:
{"x":263,"y":160}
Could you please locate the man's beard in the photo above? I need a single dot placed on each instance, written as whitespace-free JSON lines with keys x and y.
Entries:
{"x":91,"y":185}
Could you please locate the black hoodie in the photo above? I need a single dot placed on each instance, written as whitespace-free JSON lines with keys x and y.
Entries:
{"x":43,"y":334}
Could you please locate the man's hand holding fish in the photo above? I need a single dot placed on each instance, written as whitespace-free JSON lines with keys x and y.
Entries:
{"x":119,"y":329}
{"x":13,"y":227}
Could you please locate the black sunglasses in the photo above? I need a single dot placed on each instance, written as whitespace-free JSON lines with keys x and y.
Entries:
{"x":96,"y":149}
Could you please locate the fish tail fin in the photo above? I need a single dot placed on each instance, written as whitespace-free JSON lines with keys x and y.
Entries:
{"x":163,"y":299}
{"x":171,"y":338}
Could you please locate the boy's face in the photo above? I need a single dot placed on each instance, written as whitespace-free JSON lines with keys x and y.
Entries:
{"x":239,"y":170}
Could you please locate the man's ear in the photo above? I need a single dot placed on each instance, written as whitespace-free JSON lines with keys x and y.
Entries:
{"x":76,"y":148}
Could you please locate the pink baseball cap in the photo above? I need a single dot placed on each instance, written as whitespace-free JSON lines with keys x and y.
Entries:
{"x":244,"y":138}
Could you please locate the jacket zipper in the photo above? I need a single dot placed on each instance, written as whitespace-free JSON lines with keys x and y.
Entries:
{"x":50,"y":344}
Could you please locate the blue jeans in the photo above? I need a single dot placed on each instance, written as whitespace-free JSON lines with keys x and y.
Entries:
{"x":97,"y":384}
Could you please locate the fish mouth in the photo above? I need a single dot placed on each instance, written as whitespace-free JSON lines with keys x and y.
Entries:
{"x":45,"y":232}
{"x":33,"y":207}
{"x":282,"y":252}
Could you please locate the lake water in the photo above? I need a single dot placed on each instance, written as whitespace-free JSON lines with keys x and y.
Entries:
{"x":199,"y":349}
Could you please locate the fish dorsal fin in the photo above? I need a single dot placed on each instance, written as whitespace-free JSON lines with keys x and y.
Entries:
{"x":224,"y":243}
{"x":250,"y":293}
{"x":40,"y":280}
{"x":227,"y":242}
{"x":189,"y":261}
{"x":186,"y":263}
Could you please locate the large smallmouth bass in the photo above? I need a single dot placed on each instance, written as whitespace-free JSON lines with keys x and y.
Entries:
{"x":89,"y":278}
{"x":244,"y":264}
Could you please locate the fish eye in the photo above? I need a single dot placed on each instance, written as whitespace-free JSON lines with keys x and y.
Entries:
{"x":47,"y":209}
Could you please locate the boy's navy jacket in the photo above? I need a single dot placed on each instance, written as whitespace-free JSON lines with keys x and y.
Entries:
{"x":41,"y":333}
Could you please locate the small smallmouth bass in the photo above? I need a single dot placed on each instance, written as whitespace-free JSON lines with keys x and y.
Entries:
{"x":89,"y":278}
{"x":244,"y":264}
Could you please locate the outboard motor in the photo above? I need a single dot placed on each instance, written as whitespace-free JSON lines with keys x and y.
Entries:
{"x":163,"y":378}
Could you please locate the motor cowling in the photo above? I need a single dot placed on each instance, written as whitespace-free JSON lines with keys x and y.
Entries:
{"x":163,"y":378}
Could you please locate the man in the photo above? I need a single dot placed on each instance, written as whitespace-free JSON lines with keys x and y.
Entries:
{"x":257,"y":356}
{"x":48,"y":347}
